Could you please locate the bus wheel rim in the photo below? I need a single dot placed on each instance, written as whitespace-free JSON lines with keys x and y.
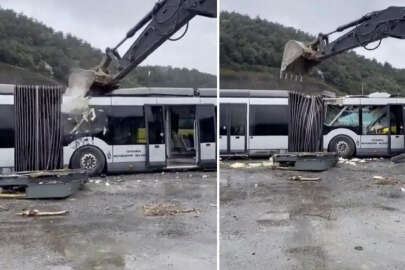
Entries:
{"x":88,"y":161}
{"x":342,"y":147}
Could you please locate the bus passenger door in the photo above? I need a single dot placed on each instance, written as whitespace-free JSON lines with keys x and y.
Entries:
{"x":397,"y":129}
{"x":205,"y":116}
{"x":233,"y":128}
{"x":237,"y":127}
{"x":223,"y":128}
{"x":156,"y":148}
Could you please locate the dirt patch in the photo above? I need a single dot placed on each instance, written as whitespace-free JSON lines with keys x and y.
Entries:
{"x":168,"y":209}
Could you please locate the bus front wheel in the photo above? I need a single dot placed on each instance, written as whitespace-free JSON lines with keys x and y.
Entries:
{"x":89,"y":158}
{"x":343,"y":146}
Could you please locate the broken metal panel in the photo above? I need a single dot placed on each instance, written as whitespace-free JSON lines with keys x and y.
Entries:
{"x":306,"y":118}
{"x":38,"y":128}
{"x":316,"y":162}
{"x":43,"y":184}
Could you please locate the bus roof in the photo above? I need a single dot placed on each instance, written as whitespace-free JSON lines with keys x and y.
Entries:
{"x":253,"y":93}
{"x":263,"y":93}
{"x":365,"y":100}
{"x":8,"y":89}
{"x":164,"y":91}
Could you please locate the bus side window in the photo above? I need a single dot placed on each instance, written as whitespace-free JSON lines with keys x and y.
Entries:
{"x":268,"y":120}
{"x":6,"y":126}
{"x":375,"y":120}
{"x":128,"y":125}
{"x":342,"y":116}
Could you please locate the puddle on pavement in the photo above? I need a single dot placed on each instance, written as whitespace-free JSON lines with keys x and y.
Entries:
{"x":386,"y":208}
{"x":184,"y":191}
{"x":173,"y":228}
{"x":274,"y":219}
{"x":311,"y":257}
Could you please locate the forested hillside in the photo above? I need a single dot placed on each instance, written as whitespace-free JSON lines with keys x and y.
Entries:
{"x":251,"y":53}
{"x":31,"y":52}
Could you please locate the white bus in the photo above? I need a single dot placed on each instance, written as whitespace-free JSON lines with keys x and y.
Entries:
{"x":255,"y":123}
{"x":137,"y":129}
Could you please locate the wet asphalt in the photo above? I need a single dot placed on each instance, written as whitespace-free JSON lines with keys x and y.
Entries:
{"x":106,"y":227}
{"x":345,"y":221}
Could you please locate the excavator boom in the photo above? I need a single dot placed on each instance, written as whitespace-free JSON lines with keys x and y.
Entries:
{"x":299,"y":58}
{"x":165,"y":19}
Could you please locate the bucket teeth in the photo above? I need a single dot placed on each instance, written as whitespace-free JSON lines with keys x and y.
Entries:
{"x":297,"y":60}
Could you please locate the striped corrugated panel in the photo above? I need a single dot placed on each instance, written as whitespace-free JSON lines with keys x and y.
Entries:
{"x":38,"y":128}
{"x":306,"y":117}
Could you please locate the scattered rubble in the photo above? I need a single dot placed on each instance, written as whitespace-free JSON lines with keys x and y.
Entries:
{"x":12,"y":196}
{"x":36,"y":213}
{"x":167,"y":209}
{"x":354,"y":161}
{"x":398,"y":159}
{"x":304,"y":179}
{"x":238,"y":165}
{"x":380,"y":180}
{"x":254,"y":165}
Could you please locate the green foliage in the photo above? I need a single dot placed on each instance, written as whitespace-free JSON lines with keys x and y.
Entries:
{"x":248,"y":45}
{"x":155,"y":76}
{"x":38,"y":49}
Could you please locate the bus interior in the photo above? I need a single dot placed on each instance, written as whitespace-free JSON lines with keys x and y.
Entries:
{"x":181,"y":130}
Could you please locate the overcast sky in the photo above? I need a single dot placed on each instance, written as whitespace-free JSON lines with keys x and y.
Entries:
{"x":104,"y":23}
{"x":315,"y":16}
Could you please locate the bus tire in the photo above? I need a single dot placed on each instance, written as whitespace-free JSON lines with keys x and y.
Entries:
{"x":89,"y":158}
{"x":344,"y":146}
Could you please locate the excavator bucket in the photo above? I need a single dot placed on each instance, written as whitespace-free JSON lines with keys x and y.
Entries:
{"x":297,"y":60}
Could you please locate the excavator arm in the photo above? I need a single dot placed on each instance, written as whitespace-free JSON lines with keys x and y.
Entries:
{"x":165,"y":19}
{"x":299,"y":58}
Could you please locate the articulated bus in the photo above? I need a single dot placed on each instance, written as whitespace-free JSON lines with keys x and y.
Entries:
{"x":255,"y":123}
{"x":128,"y":130}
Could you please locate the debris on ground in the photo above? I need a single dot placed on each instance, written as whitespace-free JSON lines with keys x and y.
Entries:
{"x":353,"y":161}
{"x":238,"y":165}
{"x":268,"y":164}
{"x":3,"y":209}
{"x":398,"y":159}
{"x":303,"y":179}
{"x":12,"y":196}
{"x":95,"y":181}
{"x":36,"y":213}
{"x":167,"y":209}
{"x":358,"y":248}
{"x":254,"y":165}
{"x":205,"y":176}
{"x":327,"y":216}
{"x":213,"y":204}
{"x":380,"y":180}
